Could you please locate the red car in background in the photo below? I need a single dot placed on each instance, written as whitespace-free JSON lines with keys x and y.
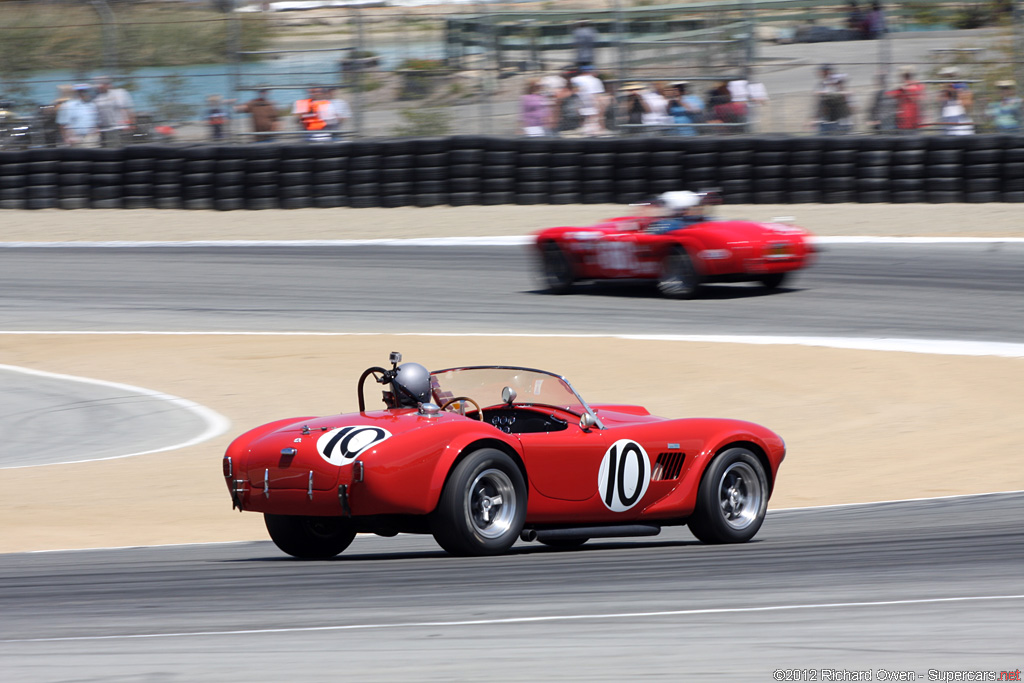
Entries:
{"x":483,"y":456}
{"x":675,"y":243}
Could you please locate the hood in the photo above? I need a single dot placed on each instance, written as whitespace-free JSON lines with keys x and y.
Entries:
{"x":752,"y":231}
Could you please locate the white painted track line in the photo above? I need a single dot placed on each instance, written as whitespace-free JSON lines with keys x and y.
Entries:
{"x":216,"y":424}
{"x":531,"y":620}
{"x":945,"y":347}
{"x":498,"y":241}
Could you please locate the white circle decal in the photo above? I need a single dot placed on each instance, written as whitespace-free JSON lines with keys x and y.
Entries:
{"x":342,"y":446}
{"x":624,"y":475}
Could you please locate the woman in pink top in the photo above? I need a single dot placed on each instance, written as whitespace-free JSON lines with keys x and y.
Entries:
{"x":533,"y":110}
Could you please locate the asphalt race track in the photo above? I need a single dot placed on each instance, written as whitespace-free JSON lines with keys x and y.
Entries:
{"x":907,"y":586}
{"x":970,"y":292}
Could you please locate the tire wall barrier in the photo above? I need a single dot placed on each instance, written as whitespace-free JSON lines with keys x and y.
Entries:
{"x":468,"y":170}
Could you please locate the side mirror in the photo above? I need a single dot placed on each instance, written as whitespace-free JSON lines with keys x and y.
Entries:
{"x":587,"y":421}
{"x":508,"y":394}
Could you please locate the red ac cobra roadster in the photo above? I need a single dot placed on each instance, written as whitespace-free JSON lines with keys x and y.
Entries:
{"x":675,"y":243}
{"x":482,"y":456}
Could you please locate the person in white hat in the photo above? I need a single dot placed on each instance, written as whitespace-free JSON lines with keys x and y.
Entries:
{"x":79,"y":120}
{"x":679,"y":209}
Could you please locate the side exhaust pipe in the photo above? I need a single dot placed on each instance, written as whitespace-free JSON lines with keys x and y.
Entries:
{"x":625,"y":530}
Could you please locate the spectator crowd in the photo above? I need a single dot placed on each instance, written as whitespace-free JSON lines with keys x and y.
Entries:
{"x":579,"y":102}
{"x":906,"y":106}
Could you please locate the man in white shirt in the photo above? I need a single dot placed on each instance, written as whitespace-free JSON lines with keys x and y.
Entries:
{"x":591,"y":91}
{"x":655,"y":105}
{"x":339,"y":113}
{"x":116,"y":112}
{"x":78,"y":119}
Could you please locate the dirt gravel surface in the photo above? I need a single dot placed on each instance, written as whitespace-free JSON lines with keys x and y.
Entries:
{"x":860,"y":426}
{"x":909,"y":220}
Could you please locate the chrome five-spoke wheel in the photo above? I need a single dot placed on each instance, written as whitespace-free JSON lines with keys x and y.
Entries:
{"x":492,"y":503}
{"x":483,"y":505}
{"x":732,"y":498}
{"x":739,"y":493}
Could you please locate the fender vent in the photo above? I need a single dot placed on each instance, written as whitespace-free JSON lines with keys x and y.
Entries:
{"x":668,"y":466}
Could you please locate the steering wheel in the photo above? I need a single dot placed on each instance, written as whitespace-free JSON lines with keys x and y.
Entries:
{"x":462,"y":409}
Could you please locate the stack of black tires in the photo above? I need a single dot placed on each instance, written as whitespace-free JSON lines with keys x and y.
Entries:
{"x":466,"y":170}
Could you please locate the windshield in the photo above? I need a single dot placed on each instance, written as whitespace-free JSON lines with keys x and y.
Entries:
{"x":484,"y":384}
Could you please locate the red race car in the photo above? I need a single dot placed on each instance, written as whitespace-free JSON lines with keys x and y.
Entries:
{"x":482,"y":456}
{"x":676,"y":243}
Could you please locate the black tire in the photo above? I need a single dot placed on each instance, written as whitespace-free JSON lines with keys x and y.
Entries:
{"x":732,"y":498}
{"x":74,"y":191}
{"x":483,"y":505}
{"x":73,"y":203}
{"x":773,"y":280}
{"x":770,"y":198}
{"x":564,"y":198}
{"x":137,"y":203}
{"x":430,"y":199}
{"x":310,"y":538}
{"x":555,"y":269}
{"x":679,"y":278}
{"x":529,"y":198}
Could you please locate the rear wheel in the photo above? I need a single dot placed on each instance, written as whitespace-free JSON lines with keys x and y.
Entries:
{"x":773,"y":281}
{"x":310,"y":538}
{"x":483,"y":506}
{"x":732,"y":498}
{"x":679,"y":278}
{"x":556,"y":270}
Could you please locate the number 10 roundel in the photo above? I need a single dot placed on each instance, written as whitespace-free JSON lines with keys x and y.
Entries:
{"x":624,"y":475}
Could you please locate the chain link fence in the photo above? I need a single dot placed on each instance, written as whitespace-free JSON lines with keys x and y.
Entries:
{"x":464,"y":67}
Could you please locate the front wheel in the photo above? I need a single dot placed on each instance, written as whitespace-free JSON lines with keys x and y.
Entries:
{"x":310,"y":538}
{"x":483,"y":505}
{"x":773,"y":281}
{"x":679,"y":278}
{"x":556,"y":271}
{"x":732,"y":498}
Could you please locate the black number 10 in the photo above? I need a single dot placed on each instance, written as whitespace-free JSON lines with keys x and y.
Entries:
{"x":617,"y":474}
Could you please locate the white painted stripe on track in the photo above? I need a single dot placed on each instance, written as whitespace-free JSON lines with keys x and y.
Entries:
{"x":490,"y":241}
{"x":216,"y":424}
{"x":867,"y":239}
{"x":108,"y":548}
{"x":383,"y":540}
{"x":500,"y":241}
{"x":705,"y":611}
{"x":928,"y":499}
{"x":944,"y":347}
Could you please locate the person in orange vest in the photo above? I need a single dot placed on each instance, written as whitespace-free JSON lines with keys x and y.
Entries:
{"x":314,"y":111}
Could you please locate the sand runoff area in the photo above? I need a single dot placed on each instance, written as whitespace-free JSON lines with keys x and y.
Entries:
{"x":859,"y":425}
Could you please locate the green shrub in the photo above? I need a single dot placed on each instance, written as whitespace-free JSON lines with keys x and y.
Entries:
{"x":44,"y":36}
{"x":424,"y":122}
